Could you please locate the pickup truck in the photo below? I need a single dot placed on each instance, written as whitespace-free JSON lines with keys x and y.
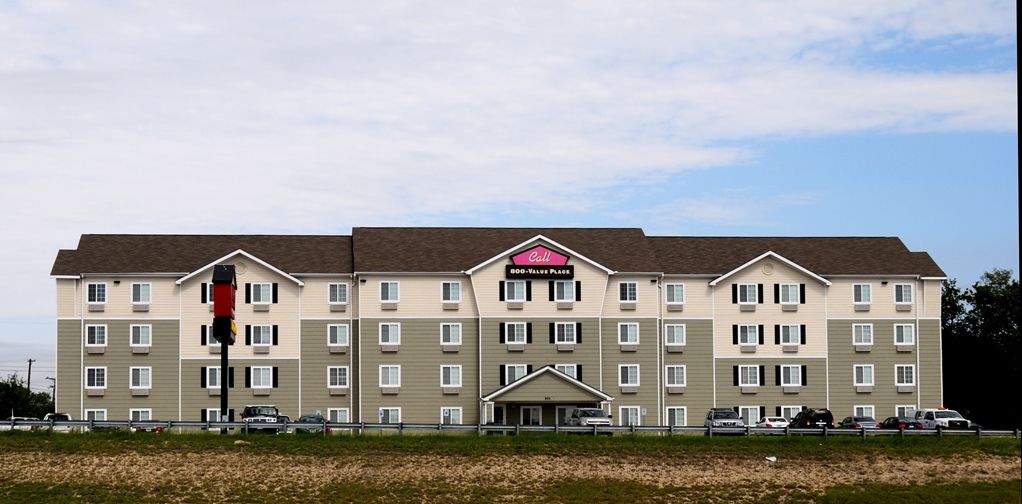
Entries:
{"x":588,"y":417}
{"x":262,"y":418}
{"x":942,"y":419}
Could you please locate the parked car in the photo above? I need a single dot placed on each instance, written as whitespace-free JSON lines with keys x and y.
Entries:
{"x":813,"y":417}
{"x":58,"y":417}
{"x":6,"y":426}
{"x":858,"y":422}
{"x":905,"y":423}
{"x":588,"y":417}
{"x":723,"y":417}
{"x":261,"y":418}
{"x":310,"y":424}
{"x":773,"y":422}
{"x":941,"y":419}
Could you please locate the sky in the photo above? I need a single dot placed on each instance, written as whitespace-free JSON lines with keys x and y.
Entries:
{"x":878,"y":118}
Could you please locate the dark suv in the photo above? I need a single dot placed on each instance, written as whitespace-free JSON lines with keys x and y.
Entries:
{"x":810,"y":417}
{"x":262,"y":418}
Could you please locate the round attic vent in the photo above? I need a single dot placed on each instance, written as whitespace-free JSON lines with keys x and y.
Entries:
{"x":768,"y":268}
{"x":240,"y":268}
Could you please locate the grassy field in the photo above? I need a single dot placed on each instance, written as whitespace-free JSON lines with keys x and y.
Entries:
{"x":120,"y":467}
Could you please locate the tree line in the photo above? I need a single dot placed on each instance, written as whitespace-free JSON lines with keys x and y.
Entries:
{"x":17,"y":400}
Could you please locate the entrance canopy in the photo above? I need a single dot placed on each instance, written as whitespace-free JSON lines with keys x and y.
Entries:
{"x":547,"y":385}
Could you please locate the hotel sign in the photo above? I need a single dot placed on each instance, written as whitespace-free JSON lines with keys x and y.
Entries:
{"x":539,"y":262}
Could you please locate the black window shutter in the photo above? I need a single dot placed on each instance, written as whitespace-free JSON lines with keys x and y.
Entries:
{"x":551,"y":282}
{"x":804,"y":369}
{"x":501,"y":289}
{"x":202,"y":296}
{"x":503,"y":375}
{"x":503,"y":333}
{"x":275,"y":335}
{"x":528,"y":333}
{"x":248,"y":335}
{"x":230,"y":377}
{"x":761,"y":331}
{"x":734,"y":293}
{"x":759,"y":297}
{"x":248,"y":377}
{"x":578,"y":332}
{"x":553,"y":331}
{"x":202,"y":415}
{"x":276,"y":383}
{"x":734,"y":371}
{"x":528,"y":369}
{"x":777,"y":411}
{"x":203,"y":331}
{"x":578,"y":372}
{"x":578,"y":290}
{"x":762,"y":379}
{"x":802,"y":329}
{"x":777,"y":293}
{"x":528,"y":290}
{"x":202,"y":380}
{"x":230,"y":415}
{"x":802,"y":293}
{"x":777,"y":334}
{"x":275,"y":292}
{"x":777,"y":375}
{"x":735,"y":408}
{"x":734,"y":334}
{"x":762,"y":412}
{"x":248,"y":293}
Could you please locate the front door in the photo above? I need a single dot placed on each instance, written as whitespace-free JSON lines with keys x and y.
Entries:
{"x":532,"y":415}
{"x":563,"y":413}
{"x":498,"y":415}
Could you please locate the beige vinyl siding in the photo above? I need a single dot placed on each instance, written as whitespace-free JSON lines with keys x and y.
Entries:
{"x":194,"y":398}
{"x":645,"y":356}
{"x":930,"y":362}
{"x":930,"y":297}
{"x":540,"y":353}
{"x":646,"y":291}
{"x":841,"y":295}
{"x":698,"y":297}
{"x":315,"y":297}
{"x":698,"y":360}
{"x":118,"y":297}
{"x":69,"y":368}
{"x":420,"y":356}
{"x":882,"y":356}
{"x":68,"y":300}
{"x":118,"y":359}
{"x":316,"y":358}
{"x":769,"y":394}
{"x":419,"y":296}
{"x":813,"y":313}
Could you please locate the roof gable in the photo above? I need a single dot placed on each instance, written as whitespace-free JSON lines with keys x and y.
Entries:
{"x":537,"y":240}
{"x":237,"y":253}
{"x":596,"y":394}
{"x":765,"y":255}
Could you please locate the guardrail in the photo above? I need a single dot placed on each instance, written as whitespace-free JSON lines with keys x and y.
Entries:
{"x":481,"y":429}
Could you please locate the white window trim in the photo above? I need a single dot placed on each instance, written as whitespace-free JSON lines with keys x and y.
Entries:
{"x":780,"y":294}
{"x":106,"y":335}
{"x":797,"y":368}
{"x":347,"y":377}
{"x":557,"y":335}
{"x":133,"y":293}
{"x":131,"y":413}
{"x":627,"y":282}
{"x":568,"y":299}
{"x":667,"y":414}
{"x":388,"y":366}
{"x":684,"y":372}
{"x":794,"y":331}
{"x":899,"y":384}
{"x":445,"y":282}
{"x":256,"y":287}
{"x":210,"y":412}
{"x":95,"y":410}
{"x":791,"y":408}
{"x":911,"y":290}
{"x":911,"y":409}
{"x":755,"y":293}
{"x":347,"y":335}
{"x":667,"y":288}
{"x":347,"y":293}
{"x":507,"y":375}
{"x":530,"y":407}
{"x":106,"y":294}
{"x":754,"y":408}
{"x":753,"y":366}
{"x":458,"y":325}
{"x":209,"y":374}
{"x":262,"y":332}
{"x":870,"y":406}
{"x":870,"y":326}
{"x":621,"y":415}
{"x":623,"y":324}
{"x":330,"y":413}
{"x":395,"y":408}
{"x":131,"y":335}
{"x":131,"y":373}
{"x":461,"y":414}
{"x":754,"y":332}
{"x":507,"y":333}
{"x":380,"y":333}
{"x":252,"y":375}
{"x":574,"y":369}
{"x":872,"y":375}
{"x":870,"y":286}
{"x":210,"y":340}
{"x":911,"y":327}
{"x":209,"y":294}
{"x":684,"y":335}
{"x":106,"y":378}
{"x":638,"y":375}
{"x":507,"y":293}
{"x":450,"y":385}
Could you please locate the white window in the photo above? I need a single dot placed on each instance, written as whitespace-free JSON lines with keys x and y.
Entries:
{"x":748,"y":293}
{"x":450,"y":376}
{"x":748,"y":376}
{"x":262,"y":377}
{"x":862,"y":334}
{"x":213,"y":377}
{"x":450,"y":292}
{"x":864,"y":411}
{"x":337,"y":415}
{"x":863,"y":375}
{"x":262,"y":293}
{"x":450,"y":416}
{"x":96,"y":293}
{"x":904,"y":334}
{"x":516,"y":332}
{"x":337,"y":334}
{"x":628,"y":333}
{"x":905,"y":410}
{"x":390,"y":292}
{"x":450,"y":334}
{"x":675,"y":293}
{"x":514,"y":372}
{"x":390,"y":333}
{"x":337,"y":293}
{"x":531,"y":415}
{"x":791,"y":334}
{"x":564,"y":290}
{"x":905,"y":375}
{"x":212,"y":414}
{"x":862,"y":293}
{"x":789,"y":293}
{"x":628,"y":375}
{"x":95,"y":335}
{"x":141,"y":335}
{"x":675,"y":376}
{"x":209,"y":300}
{"x":140,"y":415}
{"x":514,"y":291}
{"x":749,"y":414}
{"x":95,"y":377}
{"x":677,"y":416}
{"x":390,"y":376}
{"x":96,"y":415}
{"x":337,"y":376}
{"x":210,"y":339}
{"x":141,"y":293}
{"x":791,"y":376}
{"x":568,"y":369}
{"x":748,"y":335}
{"x":262,"y":335}
{"x":141,"y":377}
{"x":628,"y":415}
{"x":564,"y":332}
{"x":903,"y":293}
{"x":789,"y":412}
{"x":390,"y":415}
{"x":628,"y":292}
{"x":674,"y":334}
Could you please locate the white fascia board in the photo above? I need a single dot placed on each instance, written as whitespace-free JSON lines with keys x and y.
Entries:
{"x":540,"y":372}
{"x":777,"y":256}
{"x":532,"y":240}
{"x":409,"y":273}
{"x":246,"y":254}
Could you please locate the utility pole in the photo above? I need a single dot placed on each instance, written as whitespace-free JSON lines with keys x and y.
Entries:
{"x":53,"y":388}
{"x":30,"y":361}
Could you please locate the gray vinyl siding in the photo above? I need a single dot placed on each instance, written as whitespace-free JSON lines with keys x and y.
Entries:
{"x":929,"y":363}
{"x":769,"y":394}
{"x":69,"y":372}
{"x":118,"y":359}
{"x":883,"y":357}
{"x":650,"y":376}
{"x":194,"y":398}
{"x":698,"y":360}
{"x":540,"y":352}
{"x":420,"y":356}
{"x":316,"y":358}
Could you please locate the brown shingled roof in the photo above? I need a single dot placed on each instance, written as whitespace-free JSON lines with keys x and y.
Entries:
{"x":187,"y":253}
{"x":419,"y":249}
{"x":821,"y":255}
